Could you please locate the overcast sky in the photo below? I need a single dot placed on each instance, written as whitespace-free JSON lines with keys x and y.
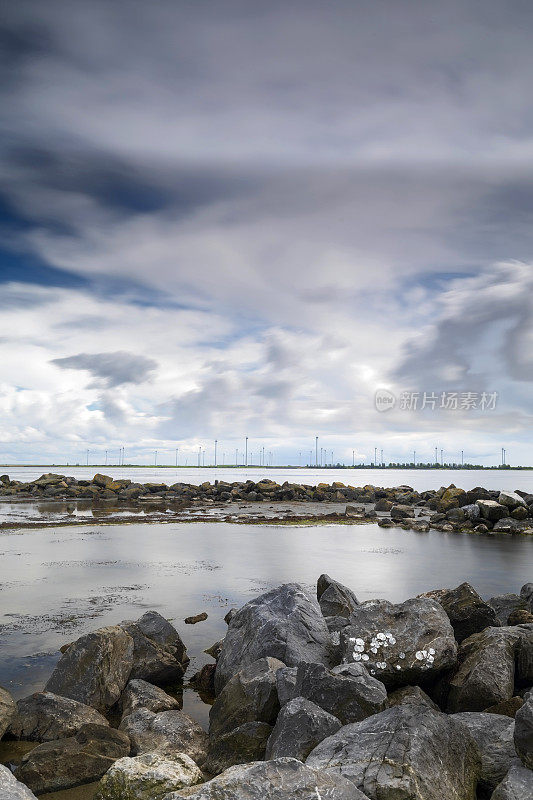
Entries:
{"x":225,"y":218}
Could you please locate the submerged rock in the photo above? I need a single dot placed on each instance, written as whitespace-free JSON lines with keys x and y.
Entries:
{"x":165,"y":732}
{"x":404,"y":753}
{"x":148,"y":777}
{"x":65,"y":763}
{"x":44,"y":716}
{"x":141,"y":694}
{"x":95,"y":669}
{"x":301,"y":725}
{"x":280,"y":779}
{"x":284,"y":623}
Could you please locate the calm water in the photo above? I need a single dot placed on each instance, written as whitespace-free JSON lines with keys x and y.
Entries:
{"x":58,"y":584}
{"x":418,"y":479}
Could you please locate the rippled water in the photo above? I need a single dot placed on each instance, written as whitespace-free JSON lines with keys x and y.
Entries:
{"x":56,"y":584}
{"x":419,"y":479}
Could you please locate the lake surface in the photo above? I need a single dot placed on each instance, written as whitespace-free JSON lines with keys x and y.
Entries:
{"x":56,"y":584}
{"x":419,"y":479}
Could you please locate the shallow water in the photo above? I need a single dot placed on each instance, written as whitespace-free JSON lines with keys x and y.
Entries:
{"x":419,"y":479}
{"x":56,"y":584}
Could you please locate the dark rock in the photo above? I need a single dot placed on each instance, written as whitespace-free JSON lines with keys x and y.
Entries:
{"x":7,"y":710}
{"x":250,"y":696}
{"x":163,"y":633}
{"x":280,"y":779}
{"x":335,"y":600}
{"x":65,"y":763}
{"x":524,"y":654}
{"x":472,"y":512}
{"x":239,"y":746}
{"x":159,"y":655}
{"x":511,"y":500}
{"x":141,"y":694}
{"x":466,"y":610}
{"x":284,"y":623}
{"x":399,"y":512}
{"x":492,"y":511}
{"x":485,"y":674}
{"x":517,"y":785}
{"x":95,"y":668}
{"x":383,"y":505}
{"x":11,"y":788}
{"x":523,"y":732}
{"x":286,"y":684}
{"x":215,"y":649}
{"x":44,"y":717}
{"x":506,"y":707}
{"x":197,"y":618}
{"x":505,"y":604}
{"x":410,"y":695}
{"x":520,"y":617}
{"x":402,"y":644}
{"x":300,"y":726}
{"x":526,"y":593}
{"x":407,"y":752}
{"x":166,"y":732}
{"x":229,"y":616}
{"x":348,"y":692}
{"x":204,"y":679}
{"x":493,"y":736}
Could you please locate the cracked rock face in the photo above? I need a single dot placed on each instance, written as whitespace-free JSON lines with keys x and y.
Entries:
{"x":95,"y":668}
{"x":44,"y":716}
{"x":281,"y":779}
{"x":493,"y":735}
{"x":517,"y":784}
{"x":148,"y":777}
{"x":408,"y":643}
{"x":11,"y":788}
{"x":403,"y":753}
{"x":285,"y":623}
{"x":300,"y":727}
{"x":165,"y":732}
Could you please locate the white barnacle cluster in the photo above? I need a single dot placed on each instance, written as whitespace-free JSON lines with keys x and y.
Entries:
{"x":336,"y":638}
{"x":427,"y":657}
{"x":366,"y":651}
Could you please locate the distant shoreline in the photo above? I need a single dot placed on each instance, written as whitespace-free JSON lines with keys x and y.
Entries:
{"x":422,"y":467}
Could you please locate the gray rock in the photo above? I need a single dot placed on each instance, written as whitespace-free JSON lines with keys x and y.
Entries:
{"x":526,"y":593}
{"x":65,"y":763}
{"x":517,"y":785}
{"x":505,"y":604}
{"x":141,"y":694}
{"x":466,"y":610}
{"x":486,"y":670}
{"x":493,"y":735}
{"x":399,"y":512}
{"x":239,"y":746}
{"x":401,"y":644}
{"x":250,"y":696}
{"x":523,"y":732}
{"x":95,"y":669}
{"x":44,"y":717}
{"x":286,"y":683}
{"x":410,"y":695}
{"x":511,"y":500}
{"x":160,"y":631}
{"x":155,"y":657}
{"x":148,"y":777}
{"x":281,"y":779}
{"x":7,"y":710}
{"x":524,"y":654}
{"x":492,"y":510}
{"x":300,"y":726}
{"x":472,"y":512}
{"x":335,"y":600}
{"x":403,"y":753}
{"x":11,"y":788}
{"x":348,"y":692}
{"x":285,"y":623}
{"x":165,"y":732}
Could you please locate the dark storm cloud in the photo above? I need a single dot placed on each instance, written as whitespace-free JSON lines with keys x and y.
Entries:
{"x":114,"y":369}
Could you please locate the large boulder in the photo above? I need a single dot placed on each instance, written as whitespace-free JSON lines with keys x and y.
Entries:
{"x":148,"y":777}
{"x":493,"y":735}
{"x":7,"y":710}
{"x":466,"y":610}
{"x":159,"y":655}
{"x":300,"y":726}
{"x":404,"y":753}
{"x":280,"y":779}
{"x":517,"y":784}
{"x":491,"y":510}
{"x":348,"y":691}
{"x":401,"y":644}
{"x":11,"y":788}
{"x":486,"y":671}
{"x":511,"y":500}
{"x":335,"y":600}
{"x":239,"y":746}
{"x":452,"y":498}
{"x":250,"y":696}
{"x":285,"y":623}
{"x":523,"y":732}
{"x":44,"y":717}
{"x":65,"y":763}
{"x":165,"y":732}
{"x":95,"y":669}
{"x":141,"y":694}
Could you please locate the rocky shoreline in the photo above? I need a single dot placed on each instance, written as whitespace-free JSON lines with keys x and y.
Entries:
{"x":313,"y":696}
{"x":448,"y":509}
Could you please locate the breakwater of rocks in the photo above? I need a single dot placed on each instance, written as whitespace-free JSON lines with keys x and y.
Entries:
{"x":314,"y":696}
{"x":446,"y":509}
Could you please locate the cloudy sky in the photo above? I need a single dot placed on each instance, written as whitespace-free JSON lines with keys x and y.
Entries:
{"x":227,"y":218}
